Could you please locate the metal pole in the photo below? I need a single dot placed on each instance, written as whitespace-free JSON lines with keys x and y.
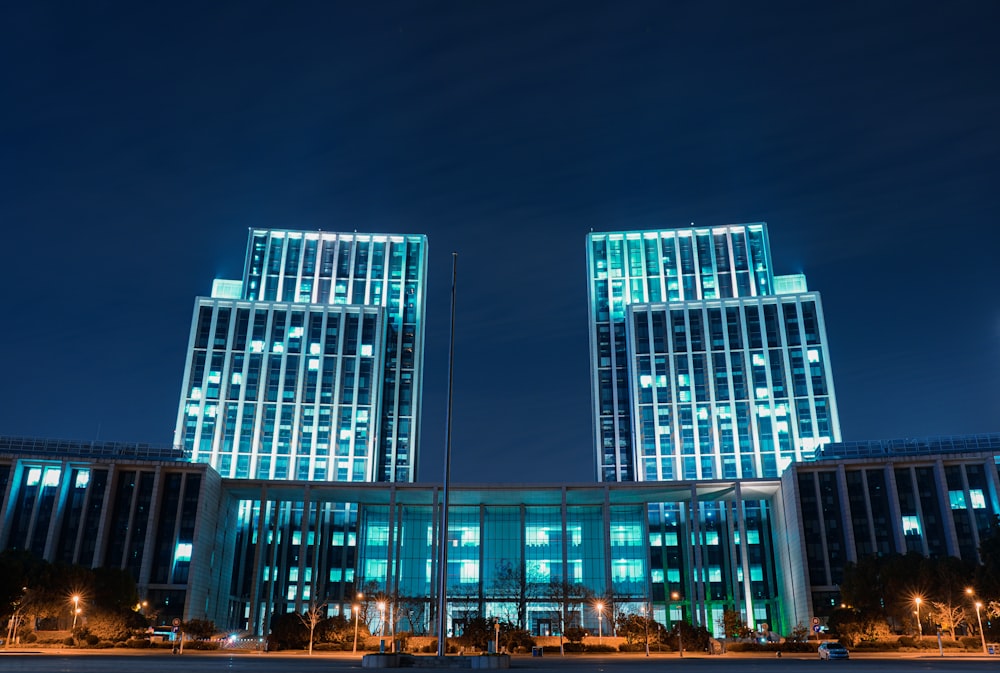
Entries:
{"x":443,"y":533}
{"x":982,"y":636}
{"x":357,"y":611}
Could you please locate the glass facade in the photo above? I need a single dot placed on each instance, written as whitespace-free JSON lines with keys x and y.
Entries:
{"x":314,"y":372}
{"x":703,"y":365}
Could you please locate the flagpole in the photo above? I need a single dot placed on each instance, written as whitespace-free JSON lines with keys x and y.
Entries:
{"x":443,"y":532}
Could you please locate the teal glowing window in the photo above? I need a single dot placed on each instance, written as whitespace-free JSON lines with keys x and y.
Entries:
{"x":656,"y":539}
{"x":537,"y":571}
{"x":670,"y":539}
{"x":34,"y":476}
{"x":378,"y":536}
{"x":51,"y":477}
{"x":977,"y":498}
{"x":673,"y":575}
{"x":536,"y":536}
{"x":182,"y":552}
{"x":656,"y":576}
{"x":469,"y":572}
{"x":627,"y":570}
{"x":911,"y":525}
{"x":626,"y":536}
{"x":375,"y":569}
{"x":82,"y":479}
{"x":957,"y":499}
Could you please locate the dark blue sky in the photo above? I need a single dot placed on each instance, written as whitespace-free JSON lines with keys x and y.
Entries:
{"x":139,"y":141}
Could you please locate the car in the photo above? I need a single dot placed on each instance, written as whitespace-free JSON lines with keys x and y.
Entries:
{"x":833,"y":650}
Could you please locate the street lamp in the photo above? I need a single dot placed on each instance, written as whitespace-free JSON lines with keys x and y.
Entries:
{"x":979,"y":618}
{"x":920,"y":627}
{"x":76,"y":608}
{"x":600,"y":621}
{"x":645,"y":623}
{"x":381,"y":613}
{"x":357,"y":612}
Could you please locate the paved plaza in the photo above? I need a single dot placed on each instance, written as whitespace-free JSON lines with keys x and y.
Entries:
{"x":56,"y":662}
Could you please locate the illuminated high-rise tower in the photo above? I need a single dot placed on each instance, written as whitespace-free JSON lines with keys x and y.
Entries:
{"x":704,"y":365}
{"x":310,"y":367}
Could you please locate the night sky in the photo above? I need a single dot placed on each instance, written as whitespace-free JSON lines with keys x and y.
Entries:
{"x":141,"y":140}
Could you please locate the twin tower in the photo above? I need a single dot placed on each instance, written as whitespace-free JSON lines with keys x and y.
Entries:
{"x":704,"y":364}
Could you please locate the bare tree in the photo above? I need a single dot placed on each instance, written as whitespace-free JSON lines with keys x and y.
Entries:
{"x":948,"y":616}
{"x":310,"y":618}
{"x":507,"y":591}
{"x":570,"y":598}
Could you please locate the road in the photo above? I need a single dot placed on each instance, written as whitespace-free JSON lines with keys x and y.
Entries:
{"x":53,"y":662}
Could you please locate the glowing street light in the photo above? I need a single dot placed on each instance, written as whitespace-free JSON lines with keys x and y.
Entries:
{"x":357,"y":612}
{"x":600,"y":621}
{"x":381,"y":612}
{"x":920,"y":627}
{"x":979,"y":617}
{"x":76,"y":608}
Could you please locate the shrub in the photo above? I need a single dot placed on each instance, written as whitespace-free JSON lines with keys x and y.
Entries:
{"x":971,"y":642}
{"x":69,"y":641}
{"x":600,"y":648}
{"x":575,"y":634}
{"x":517,"y":638}
{"x":29,"y":637}
{"x":91,"y":640}
{"x":631,"y":647}
{"x":137,"y":643}
{"x":574,"y":647}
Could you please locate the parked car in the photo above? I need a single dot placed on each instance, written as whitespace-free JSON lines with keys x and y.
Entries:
{"x":833,"y":650}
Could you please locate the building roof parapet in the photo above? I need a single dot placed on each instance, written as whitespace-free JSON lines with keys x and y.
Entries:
{"x":88,"y":449}
{"x":880,"y":448}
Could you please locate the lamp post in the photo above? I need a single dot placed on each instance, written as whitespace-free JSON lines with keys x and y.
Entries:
{"x":645,"y":623}
{"x":979,"y":618}
{"x":381,"y":616}
{"x":357,"y":612}
{"x":600,"y":622}
{"x":675,"y":596}
{"x":76,"y":608}
{"x":920,"y":627}
{"x":496,"y":628}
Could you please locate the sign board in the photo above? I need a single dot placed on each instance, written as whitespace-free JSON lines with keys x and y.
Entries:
{"x":176,"y":622}
{"x":816,"y":628}
{"x":815,"y":621}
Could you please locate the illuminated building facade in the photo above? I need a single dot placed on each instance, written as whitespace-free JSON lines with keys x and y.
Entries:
{"x":723,"y":483}
{"x":704,"y":364}
{"x":310,"y":368}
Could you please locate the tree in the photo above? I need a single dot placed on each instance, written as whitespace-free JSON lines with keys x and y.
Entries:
{"x":987,"y":577}
{"x":640,"y":630}
{"x":115,"y":626}
{"x":570,"y":598}
{"x":948,"y":616}
{"x":733,"y":626}
{"x":287,"y":632}
{"x":199,"y":629}
{"x":507,"y":591}
{"x":310,"y":618}
{"x":478,"y":632}
{"x":695,"y":638}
